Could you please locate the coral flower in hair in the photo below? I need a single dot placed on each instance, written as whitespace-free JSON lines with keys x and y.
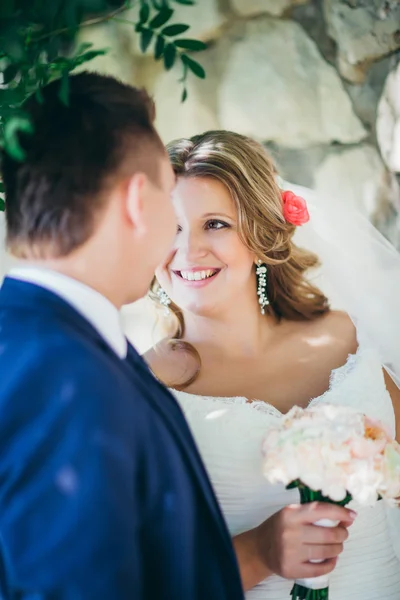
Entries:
{"x":295,"y":209}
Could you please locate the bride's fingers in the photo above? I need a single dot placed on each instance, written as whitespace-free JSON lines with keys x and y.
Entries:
{"x":314,"y":511}
{"x":315,"y":534}
{"x":345,"y":524}
{"x":321,"y":552}
{"x":308,"y":569}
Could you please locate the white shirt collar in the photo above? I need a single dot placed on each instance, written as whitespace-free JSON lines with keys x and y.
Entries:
{"x":94,"y":307}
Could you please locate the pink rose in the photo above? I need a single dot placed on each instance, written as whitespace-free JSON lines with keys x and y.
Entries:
{"x":294,"y":209}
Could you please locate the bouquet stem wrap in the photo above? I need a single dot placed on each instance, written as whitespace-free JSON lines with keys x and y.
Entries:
{"x":314,"y":588}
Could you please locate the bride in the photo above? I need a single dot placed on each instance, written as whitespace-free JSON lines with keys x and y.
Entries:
{"x":254,"y":337}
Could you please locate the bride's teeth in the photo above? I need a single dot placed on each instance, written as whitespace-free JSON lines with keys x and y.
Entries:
{"x":197,"y":275}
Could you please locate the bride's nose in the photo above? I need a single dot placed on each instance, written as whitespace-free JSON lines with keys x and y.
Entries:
{"x":193,"y":244}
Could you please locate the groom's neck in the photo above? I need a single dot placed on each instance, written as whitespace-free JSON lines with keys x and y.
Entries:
{"x":105,"y":261}
{"x":98,"y":268}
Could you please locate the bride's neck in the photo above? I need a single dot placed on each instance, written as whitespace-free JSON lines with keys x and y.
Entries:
{"x":239,"y":330}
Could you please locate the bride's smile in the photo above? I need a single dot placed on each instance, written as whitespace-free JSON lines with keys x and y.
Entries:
{"x":197,"y":276}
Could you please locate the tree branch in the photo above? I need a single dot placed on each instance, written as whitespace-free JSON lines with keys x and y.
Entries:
{"x":87,"y":23}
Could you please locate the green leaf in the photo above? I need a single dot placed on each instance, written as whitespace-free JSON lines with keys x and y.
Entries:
{"x":169,"y":56}
{"x":146,"y":35}
{"x":64,"y":89}
{"x":10,"y":73}
{"x":12,"y":96}
{"x":194,"y":66}
{"x":144,"y":13}
{"x":61,"y":61}
{"x":39,"y":96}
{"x":159,"y":48}
{"x":53,"y":47}
{"x":83,"y":47}
{"x":2,"y":205}
{"x":159,"y":4}
{"x":93,"y":54}
{"x":13,"y":46}
{"x":177,"y":29}
{"x":76,"y":61}
{"x":184,"y":95}
{"x":161,"y":18}
{"x":186,"y":2}
{"x":192,"y":45}
{"x":15,"y":125}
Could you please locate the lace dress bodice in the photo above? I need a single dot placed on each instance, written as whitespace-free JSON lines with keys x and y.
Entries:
{"x":229,"y":432}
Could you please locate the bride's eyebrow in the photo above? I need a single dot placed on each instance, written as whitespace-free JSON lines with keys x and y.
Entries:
{"x":218,"y":214}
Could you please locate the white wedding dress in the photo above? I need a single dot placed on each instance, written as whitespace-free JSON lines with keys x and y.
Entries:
{"x":229,"y":432}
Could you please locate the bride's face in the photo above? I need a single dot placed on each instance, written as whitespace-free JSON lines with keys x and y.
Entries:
{"x":209,"y":267}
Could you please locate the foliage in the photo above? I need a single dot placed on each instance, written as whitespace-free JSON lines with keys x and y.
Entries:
{"x":37,"y":46}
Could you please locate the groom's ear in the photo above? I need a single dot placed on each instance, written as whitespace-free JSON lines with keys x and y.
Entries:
{"x":134,"y":198}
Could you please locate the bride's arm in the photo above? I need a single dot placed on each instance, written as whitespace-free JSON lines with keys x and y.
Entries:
{"x":286,"y":542}
{"x":395,"y":396}
{"x":253,"y":568}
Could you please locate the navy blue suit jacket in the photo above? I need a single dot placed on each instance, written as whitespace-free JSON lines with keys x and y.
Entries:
{"x":103,"y":494}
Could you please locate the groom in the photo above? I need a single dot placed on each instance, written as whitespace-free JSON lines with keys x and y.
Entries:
{"x":103,"y":495}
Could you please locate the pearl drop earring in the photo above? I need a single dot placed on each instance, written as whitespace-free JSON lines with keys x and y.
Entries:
{"x":164,"y":299}
{"x":261,"y":272}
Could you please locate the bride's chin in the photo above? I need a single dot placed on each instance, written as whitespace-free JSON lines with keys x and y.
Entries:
{"x":204,"y":309}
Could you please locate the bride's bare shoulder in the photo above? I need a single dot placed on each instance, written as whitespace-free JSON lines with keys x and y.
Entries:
{"x":338,"y":322}
{"x":322,"y":344}
{"x":170,"y":363}
{"x":339,"y":331}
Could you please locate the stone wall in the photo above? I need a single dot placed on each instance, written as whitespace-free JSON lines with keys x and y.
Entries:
{"x":318,"y":82}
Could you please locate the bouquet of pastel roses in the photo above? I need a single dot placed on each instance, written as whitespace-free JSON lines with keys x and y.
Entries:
{"x":332,"y":454}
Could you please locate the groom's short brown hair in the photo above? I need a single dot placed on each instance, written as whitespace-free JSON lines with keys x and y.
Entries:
{"x":76,"y":152}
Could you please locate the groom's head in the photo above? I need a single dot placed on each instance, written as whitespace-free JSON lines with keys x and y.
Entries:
{"x":95,"y":172}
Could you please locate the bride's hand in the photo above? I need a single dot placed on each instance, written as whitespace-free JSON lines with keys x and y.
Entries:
{"x":289,"y":540}
{"x":286,"y":543}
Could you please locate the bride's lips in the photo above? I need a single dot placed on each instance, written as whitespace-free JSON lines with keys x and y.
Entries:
{"x":196,"y":277}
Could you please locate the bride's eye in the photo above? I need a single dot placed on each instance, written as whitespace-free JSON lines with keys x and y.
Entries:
{"x":216,"y":224}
